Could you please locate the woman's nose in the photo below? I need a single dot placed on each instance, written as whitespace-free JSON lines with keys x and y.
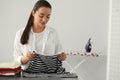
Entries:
{"x":44,"y":19}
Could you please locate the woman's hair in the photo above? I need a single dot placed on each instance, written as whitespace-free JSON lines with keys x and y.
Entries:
{"x":25,"y":35}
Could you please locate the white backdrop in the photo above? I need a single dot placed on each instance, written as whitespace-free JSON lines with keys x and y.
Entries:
{"x":74,"y":20}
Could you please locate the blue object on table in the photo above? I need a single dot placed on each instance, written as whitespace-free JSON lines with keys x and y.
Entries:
{"x":88,"y":46}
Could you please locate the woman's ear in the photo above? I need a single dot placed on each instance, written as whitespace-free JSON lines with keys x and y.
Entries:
{"x":33,"y":12}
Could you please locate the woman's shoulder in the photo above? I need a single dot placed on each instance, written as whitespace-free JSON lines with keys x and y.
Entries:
{"x":20,"y":31}
{"x":52,"y":30}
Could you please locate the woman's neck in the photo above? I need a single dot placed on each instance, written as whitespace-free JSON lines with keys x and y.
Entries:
{"x":38,"y":29}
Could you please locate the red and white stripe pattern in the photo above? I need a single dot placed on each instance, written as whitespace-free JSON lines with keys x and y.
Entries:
{"x":78,"y":53}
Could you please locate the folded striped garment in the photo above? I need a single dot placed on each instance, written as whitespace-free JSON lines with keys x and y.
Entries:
{"x":45,"y":64}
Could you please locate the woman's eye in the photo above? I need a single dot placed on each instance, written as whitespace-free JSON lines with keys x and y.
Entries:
{"x":41,"y":16}
{"x":48,"y":16}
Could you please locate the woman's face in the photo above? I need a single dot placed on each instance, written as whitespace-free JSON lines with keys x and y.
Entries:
{"x":41,"y":16}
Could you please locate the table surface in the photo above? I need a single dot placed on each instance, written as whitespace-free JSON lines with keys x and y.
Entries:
{"x":19,"y":77}
{"x":38,"y":78}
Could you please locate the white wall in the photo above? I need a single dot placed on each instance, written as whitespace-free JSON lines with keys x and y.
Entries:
{"x":13,"y":15}
{"x":77,"y":20}
{"x":74,"y":20}
{"x":113,"y":66}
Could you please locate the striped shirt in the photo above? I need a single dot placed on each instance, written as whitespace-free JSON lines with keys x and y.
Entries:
{"x":45,"y":64}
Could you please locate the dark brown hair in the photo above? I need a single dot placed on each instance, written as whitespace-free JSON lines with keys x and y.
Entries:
{"x":25,"y":35}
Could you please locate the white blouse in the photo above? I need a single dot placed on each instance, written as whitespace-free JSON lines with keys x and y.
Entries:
{"x":46,"y":42}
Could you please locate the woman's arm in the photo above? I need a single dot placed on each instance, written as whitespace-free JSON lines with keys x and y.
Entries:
{"x":58,"y":48}
{"x":30,"y":55}
{"x":18,"y":53}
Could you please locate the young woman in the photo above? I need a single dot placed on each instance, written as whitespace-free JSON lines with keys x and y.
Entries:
{"x":36,"y":37}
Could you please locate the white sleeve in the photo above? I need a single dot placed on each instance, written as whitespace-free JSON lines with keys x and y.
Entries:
{"x":17,"y":54}
{"x":58,"y":46}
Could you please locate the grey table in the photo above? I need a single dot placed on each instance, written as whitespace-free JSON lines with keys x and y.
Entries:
{"x":19,"y":77}
{"x":24,"y":78}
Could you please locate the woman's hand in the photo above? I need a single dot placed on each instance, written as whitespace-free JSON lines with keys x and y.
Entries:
{"x":62,"y":56}
{"x":30,"y":55}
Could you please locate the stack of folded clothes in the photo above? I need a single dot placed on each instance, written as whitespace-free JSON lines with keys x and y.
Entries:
{"x":45,"y":75}
{"x":10,"y":68}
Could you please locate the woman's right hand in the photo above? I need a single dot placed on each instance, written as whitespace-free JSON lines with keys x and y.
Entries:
{"x":30,"y":55}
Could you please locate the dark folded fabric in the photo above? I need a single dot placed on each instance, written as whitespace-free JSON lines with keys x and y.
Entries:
{"x":45,"y":64}
{"x":53,"y":75}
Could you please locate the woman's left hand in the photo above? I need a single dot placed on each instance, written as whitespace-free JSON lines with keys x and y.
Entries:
{"x":62,"y":56}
